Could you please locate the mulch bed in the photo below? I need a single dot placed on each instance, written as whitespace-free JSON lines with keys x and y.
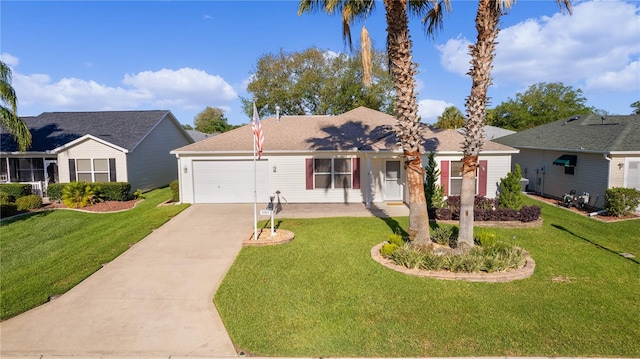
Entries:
{"x":586,"y":211}
{"x":106,"y":206}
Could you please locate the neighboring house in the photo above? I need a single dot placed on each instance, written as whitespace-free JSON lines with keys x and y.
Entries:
{"x":348,"y":158}
{"x":199,"y":136}
{"x":492,"y":132}
{"x":109,"y":146}
{"x":587,"y":153}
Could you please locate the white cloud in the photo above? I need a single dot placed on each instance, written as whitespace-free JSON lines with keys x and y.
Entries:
{"x":596,"y":46}
{"x":455,"y":55}
{"x":429,"y":110}
{"x":186,"y":89}
{"x":9,"y":59}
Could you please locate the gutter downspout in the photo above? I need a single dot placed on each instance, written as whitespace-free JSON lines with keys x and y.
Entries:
{"x":609,"y":171}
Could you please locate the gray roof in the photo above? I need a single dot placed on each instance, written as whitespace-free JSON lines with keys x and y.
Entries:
{"x":50,"y":130}
{"x":586,"y":133}
{"x":362,"y":128}
{"x":491,"y":132}
{"x":199,"y":136}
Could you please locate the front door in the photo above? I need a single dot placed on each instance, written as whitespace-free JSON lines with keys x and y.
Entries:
{"x":392,"y":181}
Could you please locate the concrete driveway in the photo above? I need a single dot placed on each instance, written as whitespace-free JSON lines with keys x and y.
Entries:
{"x":153,"y":300}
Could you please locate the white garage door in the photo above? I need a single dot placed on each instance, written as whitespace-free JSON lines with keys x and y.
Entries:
{"x":230,"y":181}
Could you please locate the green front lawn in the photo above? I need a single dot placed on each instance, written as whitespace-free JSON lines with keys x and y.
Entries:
{"x":47,"y":253}
{"x":323,"y":296}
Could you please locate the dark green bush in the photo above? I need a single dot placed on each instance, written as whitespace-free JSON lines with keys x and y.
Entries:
{"x":31,"y":201}
{"x":619,"y":201}
{"x":54,"y":191}
{"x":8,"y":209}
{"x":175,"y":190}
{"x":16,"y":190}
{"x":114,"y":191}
{"x":433,"y":193}
{"x":6,"y":198}
{"x":510,"y":195}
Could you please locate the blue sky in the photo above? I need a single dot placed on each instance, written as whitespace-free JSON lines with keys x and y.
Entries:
{"x":185,"y":55}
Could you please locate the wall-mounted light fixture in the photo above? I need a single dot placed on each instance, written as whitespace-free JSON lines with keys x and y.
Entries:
{"x":274,"y":168}
{"x":185,"y":170}
{"x":620,"y":166}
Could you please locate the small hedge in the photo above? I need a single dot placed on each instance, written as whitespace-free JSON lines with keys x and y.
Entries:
{"x":114,"y":191}
{"x":31,"y":201}
{"x":54,"y":191}
{"x":8,"y":209}
{"x":620,"y":201}
{"x":16,"y":190}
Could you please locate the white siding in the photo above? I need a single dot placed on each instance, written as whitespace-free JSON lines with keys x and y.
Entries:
{"x":591,"y":174}
{"x":287,"y":174}
{"x":617,"y":172}
{"x":497,"y":167}
{"x":91,"y":149}
{"x":150,"y":163}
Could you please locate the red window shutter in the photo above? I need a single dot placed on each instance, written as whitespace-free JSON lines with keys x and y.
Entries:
{"x":482,"y":179}
{"x":356,"y":173}
{"x":444,"y":177}
{"x":309,"y":165}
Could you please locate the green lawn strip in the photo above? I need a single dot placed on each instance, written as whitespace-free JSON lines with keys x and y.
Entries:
{"x":322,"y":295}
{"x":47,"y":253}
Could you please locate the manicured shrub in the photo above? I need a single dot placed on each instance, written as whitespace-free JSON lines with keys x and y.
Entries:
{"x":175,"y":190}
{"x":54,"y":191}
{"x":510,"y":195}
{"x":8,"y":209}
{"x":620,"y":201}
{"x":114,"y":191}
{"x":6,"y":198}
{"x":31,"y":201}
{"x":486,"y":238}
{"x":396,"y":238}
{"x":16,"y":190}
{"x":80,"y":194}
{"x":388,"y":249}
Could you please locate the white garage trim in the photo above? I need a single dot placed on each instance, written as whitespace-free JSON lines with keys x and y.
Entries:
{"x":231,"y":181}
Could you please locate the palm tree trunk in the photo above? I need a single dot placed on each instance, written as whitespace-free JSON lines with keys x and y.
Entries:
{"x":408,"y":132}
{"x":482,"y":53}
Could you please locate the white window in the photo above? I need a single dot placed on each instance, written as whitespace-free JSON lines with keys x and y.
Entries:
{"x":455,"y":178}
{"x":332,"y":173}
{"x":92,"y":170}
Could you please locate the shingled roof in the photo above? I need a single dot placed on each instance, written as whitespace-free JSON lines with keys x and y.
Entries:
{"x":587,"y":133}
{"x":51,"y":130}
{"x":362,"y":129}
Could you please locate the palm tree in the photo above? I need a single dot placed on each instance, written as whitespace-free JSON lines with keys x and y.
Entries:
{"x":482,"y":53}
{"x":451,"y":118}
{"x":403,"y":70}
{"x":9,"y":110}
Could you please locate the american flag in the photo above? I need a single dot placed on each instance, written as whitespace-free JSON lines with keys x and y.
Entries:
{"x":257,"y":131}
